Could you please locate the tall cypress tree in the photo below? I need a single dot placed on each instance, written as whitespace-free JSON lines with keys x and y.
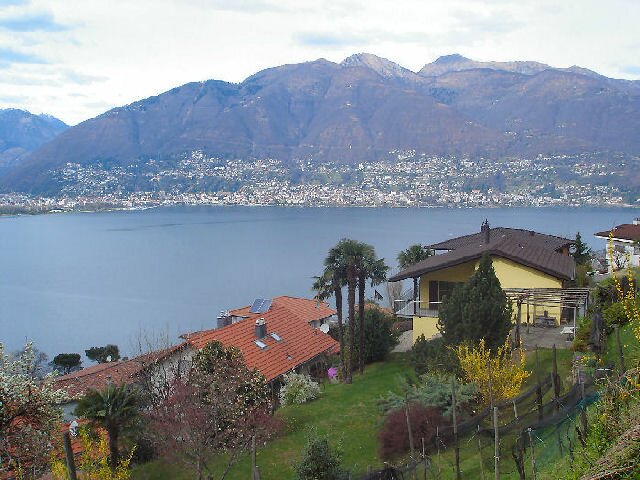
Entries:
{"x":477,"y":309}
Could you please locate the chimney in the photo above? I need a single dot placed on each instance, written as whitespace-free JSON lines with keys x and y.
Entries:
{"x":261,"y":328}
{"x":485,"y":229}
{"x":224,"y":319}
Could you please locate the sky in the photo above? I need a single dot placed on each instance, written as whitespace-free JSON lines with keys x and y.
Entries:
{"x":77,"y":59}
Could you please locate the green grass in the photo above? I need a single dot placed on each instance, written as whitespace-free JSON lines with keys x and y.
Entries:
{"x":630,"y":347}
{"x":347,"y":413}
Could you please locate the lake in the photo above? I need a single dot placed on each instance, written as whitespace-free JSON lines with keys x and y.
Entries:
{"x":72,"y":281}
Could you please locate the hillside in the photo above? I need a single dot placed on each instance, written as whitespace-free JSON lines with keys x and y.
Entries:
{"x":358,"y":110}
{"x":22,"y":132}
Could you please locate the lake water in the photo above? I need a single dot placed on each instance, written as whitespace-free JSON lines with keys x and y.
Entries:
{"x":72,"y":281}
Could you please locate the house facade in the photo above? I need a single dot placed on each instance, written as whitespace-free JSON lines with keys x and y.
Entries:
{"x":522,"y":259}
{"x":626,"y":244}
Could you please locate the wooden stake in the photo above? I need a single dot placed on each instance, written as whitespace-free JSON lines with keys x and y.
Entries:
{"x":496,"y":439}
{"x":438,"y":450}
{"x":539,"y":389}
{"x":455,"y":426}
{"x":68,"y":452}
{"x":253,"y":458}
{"x":406,"y":411}
{"x":556,"y":386}
{"x":620,"y":352}
{"x":533,"y":454}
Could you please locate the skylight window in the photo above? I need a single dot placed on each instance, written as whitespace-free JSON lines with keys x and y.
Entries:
{"x":261,"y":345}
{"x":275,"y":336}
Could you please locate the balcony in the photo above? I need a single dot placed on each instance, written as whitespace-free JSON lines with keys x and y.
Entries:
{"x":416,"y":308}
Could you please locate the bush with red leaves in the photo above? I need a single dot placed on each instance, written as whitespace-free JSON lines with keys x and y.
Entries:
{"x":394,"y":437}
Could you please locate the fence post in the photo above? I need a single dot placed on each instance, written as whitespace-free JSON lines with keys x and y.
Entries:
{"x":68,"y":451}
{"x":496,"y":439}
{"x":539,"y":389}
{"x":406,"y":411}
{"x":556,"y":386}
{"x":533,"y":454}
{"x":490,"y":385}
{"x":455,"y":426}
{"x":620,"y":352}
{"x":516,"y":340}
{"x":438,"y":449}
{"x":424,"y":459}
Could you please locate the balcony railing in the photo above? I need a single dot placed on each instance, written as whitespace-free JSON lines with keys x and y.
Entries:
{"x":416,"y":308}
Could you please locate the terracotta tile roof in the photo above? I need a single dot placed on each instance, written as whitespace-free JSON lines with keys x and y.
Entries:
{"x":512,"y":248}
{"x":626,"y":231}
{"x":289,"y":318}
{"x":530,"y":237}
{"x":120,"y":372}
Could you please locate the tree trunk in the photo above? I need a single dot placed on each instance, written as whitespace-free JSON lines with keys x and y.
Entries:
{"x":351,"y":299}
{"x":113,"y":433}
{"x":338,"y":294}
{"x":361,"y":291}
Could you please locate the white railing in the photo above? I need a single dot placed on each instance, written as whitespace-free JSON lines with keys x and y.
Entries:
{"x":416,"y":308}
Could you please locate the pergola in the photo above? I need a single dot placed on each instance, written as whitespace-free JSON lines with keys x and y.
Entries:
{"x":546,"y":297}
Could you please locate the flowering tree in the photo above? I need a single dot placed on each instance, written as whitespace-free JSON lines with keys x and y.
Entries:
{"x":29,"y":418}
{"x":93,"y":461}
{"x":628,"y":299}
{"x":507,"y":373}
{"x":218,"y":407}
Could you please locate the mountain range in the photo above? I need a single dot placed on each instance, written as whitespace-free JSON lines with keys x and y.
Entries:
{"x":22,"y":132}
{"x":358,"y":110}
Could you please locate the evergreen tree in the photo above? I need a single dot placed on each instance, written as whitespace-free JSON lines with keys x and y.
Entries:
{"x":478,"y":309}
{"x":582,"y":255}
{"x":68,"y":362}
{"x":108,"y":353}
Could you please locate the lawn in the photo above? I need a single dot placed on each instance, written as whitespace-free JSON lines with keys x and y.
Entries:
{"x":347,"y":413}
{"x":630,"y":346}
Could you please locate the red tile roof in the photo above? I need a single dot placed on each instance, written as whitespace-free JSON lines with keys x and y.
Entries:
{"x":289,"y":318}
{"x":626,"y":231}
{"x":120,"y":372}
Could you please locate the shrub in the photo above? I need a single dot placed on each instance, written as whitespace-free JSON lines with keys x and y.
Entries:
{"x":507,"y":373}
{"x":582,"y":335}
{"x":402,"y":326}
{"x":298,"y":388}
{"x":379,"y":338}
{"x":614,"y":314}
{"x":433,"y":356}
{"x":394,"y":437}
{"x":432,"y":390}
{"x":320,"y":461}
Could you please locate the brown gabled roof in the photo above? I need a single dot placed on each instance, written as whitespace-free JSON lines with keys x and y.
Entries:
{"x":121,"y":372}
{"x":529,"y":237}
{"x":626,"y":231}
{"x":527,"y":254}
{"x":289,"y":318}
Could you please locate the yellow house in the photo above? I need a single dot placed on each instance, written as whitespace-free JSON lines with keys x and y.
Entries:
{"x":522,"y":259}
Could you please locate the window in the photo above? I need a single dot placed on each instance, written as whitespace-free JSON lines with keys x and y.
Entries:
{"x":275,"y":336}
{"x":439,"y":290}
{"x":261,"y":345}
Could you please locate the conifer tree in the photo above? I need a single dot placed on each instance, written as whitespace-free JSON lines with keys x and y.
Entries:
{"x":478,"y":309}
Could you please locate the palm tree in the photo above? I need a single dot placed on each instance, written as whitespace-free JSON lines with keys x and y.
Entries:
{"x":115,"y":409}
{"x":374,"y":269}
{"x":410,"y":256}
{"x":327,"y":285}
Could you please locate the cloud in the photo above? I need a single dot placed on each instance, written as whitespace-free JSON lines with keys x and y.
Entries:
{"x":32,"y":22}
{"x":9,"y":56}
